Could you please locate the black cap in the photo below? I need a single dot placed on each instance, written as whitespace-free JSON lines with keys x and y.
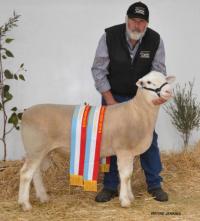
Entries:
{"x":138,"y":10}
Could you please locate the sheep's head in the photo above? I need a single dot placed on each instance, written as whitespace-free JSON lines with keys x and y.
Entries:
{"x":156,"y":86}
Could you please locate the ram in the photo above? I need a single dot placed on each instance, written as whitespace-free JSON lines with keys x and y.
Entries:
{"x":127,"y":131}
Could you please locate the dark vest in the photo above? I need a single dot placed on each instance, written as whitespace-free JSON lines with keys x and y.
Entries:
{"x":123,"y":73}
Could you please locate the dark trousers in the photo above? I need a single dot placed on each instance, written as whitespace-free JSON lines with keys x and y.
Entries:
{"x":150,"y":161}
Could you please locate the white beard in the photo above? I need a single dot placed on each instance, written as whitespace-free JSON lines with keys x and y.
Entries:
{"x":133,"y":34}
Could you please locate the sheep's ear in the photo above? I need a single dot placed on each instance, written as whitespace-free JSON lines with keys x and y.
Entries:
{"x":170,"y":79}
{"x":140,"y":83}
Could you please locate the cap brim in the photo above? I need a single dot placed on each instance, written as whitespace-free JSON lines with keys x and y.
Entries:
{"x":137,"y":16}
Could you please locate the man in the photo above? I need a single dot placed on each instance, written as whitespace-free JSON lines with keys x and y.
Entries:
{"x":125,"y":53}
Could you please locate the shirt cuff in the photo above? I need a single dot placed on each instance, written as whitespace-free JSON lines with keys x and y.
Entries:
{"x":102,"y":86}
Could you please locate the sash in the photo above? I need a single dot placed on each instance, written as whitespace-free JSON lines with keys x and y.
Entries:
{"x":86,"y":132}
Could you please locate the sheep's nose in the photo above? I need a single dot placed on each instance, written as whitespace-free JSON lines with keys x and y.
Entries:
{"x":168,"y":93}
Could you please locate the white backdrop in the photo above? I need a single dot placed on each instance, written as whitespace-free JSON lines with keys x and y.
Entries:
{"x":57,"y":41}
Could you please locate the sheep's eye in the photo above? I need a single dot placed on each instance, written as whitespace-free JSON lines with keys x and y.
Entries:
{"x":148,"y":82}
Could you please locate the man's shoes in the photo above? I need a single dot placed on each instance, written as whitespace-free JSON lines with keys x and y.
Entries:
{"x":106,"y":195}
{"x":159,"y":194}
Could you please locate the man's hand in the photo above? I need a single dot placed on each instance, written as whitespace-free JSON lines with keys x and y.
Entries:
{"x":159,"y":101}
{"x":112,"y":102}
{"x":107,"y":95}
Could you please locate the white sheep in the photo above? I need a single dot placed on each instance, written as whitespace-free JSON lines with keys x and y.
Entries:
{"x":127,"y":132}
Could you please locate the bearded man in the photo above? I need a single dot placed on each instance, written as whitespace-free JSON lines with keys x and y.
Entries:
{"x":125,"y":53}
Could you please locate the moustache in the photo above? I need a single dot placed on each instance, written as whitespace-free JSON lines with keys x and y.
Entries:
{"x":135,"y":31}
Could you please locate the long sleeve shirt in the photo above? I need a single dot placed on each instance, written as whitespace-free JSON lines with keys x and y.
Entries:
{"x":101,"y":61}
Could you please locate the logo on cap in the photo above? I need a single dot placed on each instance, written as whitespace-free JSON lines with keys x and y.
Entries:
{"x":139,"y":10}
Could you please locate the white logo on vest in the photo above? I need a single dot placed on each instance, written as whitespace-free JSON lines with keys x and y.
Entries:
{"x":145,"y":54}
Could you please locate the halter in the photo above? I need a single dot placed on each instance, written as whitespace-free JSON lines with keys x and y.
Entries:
{"x":157,"y":90}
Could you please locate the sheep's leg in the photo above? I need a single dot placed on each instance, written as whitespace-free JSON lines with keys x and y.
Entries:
{"x":26,"y":175}
{"x":39,"y":186}
{"x":38,"y":181}
{"x":45,"y":164}
{"x":130,"y":193}
{"x":125,"y":167}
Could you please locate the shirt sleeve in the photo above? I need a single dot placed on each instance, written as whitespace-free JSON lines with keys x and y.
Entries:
{"x":100,"y":66}
{"x":158,"y":63}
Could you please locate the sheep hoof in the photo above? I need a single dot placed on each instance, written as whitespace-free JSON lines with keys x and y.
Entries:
{"x":131,"y":197}
{"x":125,"y":203}
{"x":26,"y":206}
{"x":44,"y":198}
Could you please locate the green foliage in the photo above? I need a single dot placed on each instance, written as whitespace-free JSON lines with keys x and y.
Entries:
{"x":12,"y":22}
{"x":184,"y":111}
{"x":6,"y":75}
{"x":8,"y":40}
{"x":9,"y":53}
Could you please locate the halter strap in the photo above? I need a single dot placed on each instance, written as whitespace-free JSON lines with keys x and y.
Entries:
{"x":157,"y":90}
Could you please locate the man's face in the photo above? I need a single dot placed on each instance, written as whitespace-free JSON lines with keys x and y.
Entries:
{"x":137,"y":24}
{"x":136,"y":27}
